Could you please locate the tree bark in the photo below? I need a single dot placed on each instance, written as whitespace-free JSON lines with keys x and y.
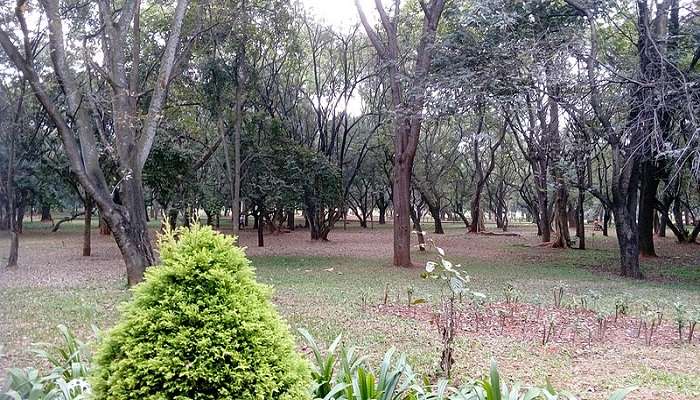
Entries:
{"x":87,"y":227}
{"x":581,"y":220}
{"x":435,"y":213}
{"x":46,"y":214}
{"x":382,"y":216}
{"x":606,"y":220}
{"x":402,"y":203}
{"x":260,"y":223}
{"x":647,"y":200}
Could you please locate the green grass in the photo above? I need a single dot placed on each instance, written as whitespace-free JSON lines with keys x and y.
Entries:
{"x":334,"y":295}
{"x":677,"y":382}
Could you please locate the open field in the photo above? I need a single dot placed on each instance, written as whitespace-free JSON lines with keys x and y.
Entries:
{"x":339,"y":287}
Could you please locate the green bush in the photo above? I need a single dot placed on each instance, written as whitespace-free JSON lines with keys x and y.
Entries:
{"x":200,"y":327}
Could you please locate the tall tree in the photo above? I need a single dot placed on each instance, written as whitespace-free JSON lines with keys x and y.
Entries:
{"x":118,"y":34}
{"x":408,"y":98}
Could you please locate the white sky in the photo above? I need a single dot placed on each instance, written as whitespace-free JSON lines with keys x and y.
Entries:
{"x":340,"y":13}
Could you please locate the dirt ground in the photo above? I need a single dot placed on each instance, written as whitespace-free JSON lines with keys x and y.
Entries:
{"x":54,"y":283}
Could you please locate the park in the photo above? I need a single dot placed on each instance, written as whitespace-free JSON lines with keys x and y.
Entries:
{"x":349,"y":200}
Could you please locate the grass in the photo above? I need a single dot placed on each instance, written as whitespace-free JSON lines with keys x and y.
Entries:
{"x":334,"y":295}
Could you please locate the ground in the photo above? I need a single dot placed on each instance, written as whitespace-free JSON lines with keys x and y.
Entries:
{"x":340,"y":286}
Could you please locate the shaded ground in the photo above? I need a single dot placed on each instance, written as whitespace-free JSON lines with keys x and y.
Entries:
{"x":339,"y":287}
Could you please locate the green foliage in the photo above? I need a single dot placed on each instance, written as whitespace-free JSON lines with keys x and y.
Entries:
{"x":200,"y":327}
{"x":447,"y":271}
{"x":70,"y":366}
{"x":283,"y":175}
{"x":353,"y":379}
{"x":166,"y":168}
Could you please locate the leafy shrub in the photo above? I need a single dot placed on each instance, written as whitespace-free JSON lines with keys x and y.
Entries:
{"x":200,"y":327}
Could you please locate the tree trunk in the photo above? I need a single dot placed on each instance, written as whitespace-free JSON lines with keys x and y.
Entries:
{"x":402,"y":213}
{"x":571,"y":215}
{"x":104,"y":227}
{"x":544,"y":226}
{"x":382,"y":212}
{"x":290,"y":220}
{"x":663,"y":224}
{"x":561,"y":217}
{"x":679,"y":221}
{"x":418,"y":228}
{"x":606,"y":220}
{"x":260,"y":222}
{"x":647,"y":201}
{"x":477,"y":224}
{"x":581,"y":220}
{"x":463,"y":218}
{"x":627,"y":238}
{"x":128,"y":225}
{"x":696,"y":231}
{"x":625,"y":201}
{"x":236,"y":206}
{"x":435,"y":213}
{"x":10,"y":191}
{"x":20,"y":217}
{"x":87,"y":227}
{"x":46,"y":214}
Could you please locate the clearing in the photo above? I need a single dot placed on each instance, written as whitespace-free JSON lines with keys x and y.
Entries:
{"x":347,"y":286}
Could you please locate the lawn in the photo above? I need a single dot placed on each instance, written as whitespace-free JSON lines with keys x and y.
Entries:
{"x":347,"y":287}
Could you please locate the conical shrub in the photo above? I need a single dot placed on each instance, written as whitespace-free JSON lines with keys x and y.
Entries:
{"x":200,"y":327}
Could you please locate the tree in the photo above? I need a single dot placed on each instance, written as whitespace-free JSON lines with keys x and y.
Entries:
{"x":408,"y":98}
{"x":117,"y":32}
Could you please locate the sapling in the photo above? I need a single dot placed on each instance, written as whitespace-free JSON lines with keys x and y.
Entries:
{"x":446,"y":322}
{"x":595,"y":299}
{"x":538,"y":302}
{"x":601,"y":319}
{"x":583,"y":302}
{"x":692,"y":321}
{"x":510,"y":294}
{"x":621,"y":307}
{"x":681,"y":316}
{"x":548,"y":330}
{"x":479,"y":303}
{"x":502,"y":315}
{"x":558,"y":296}
{"x":651,"y":322}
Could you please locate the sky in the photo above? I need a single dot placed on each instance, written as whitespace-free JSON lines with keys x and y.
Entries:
{"x":339,"y":13}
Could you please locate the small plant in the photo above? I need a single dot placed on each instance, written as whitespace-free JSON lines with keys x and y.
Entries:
{"x":558,"y":296}
{"x":621,"y":306}
{"x":601,"y":319}
{"x":445,"y":320}
{"x":502,"y":317}
{"x":681,"y":317}
{"x":511,"y":294}
{"x":693,"y":319}
{"x":478,"y":301}
{"x":537,"y":301}
{"x":70,"y":364}
{"x":549,"y":330}
{"x":649,"y":320}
